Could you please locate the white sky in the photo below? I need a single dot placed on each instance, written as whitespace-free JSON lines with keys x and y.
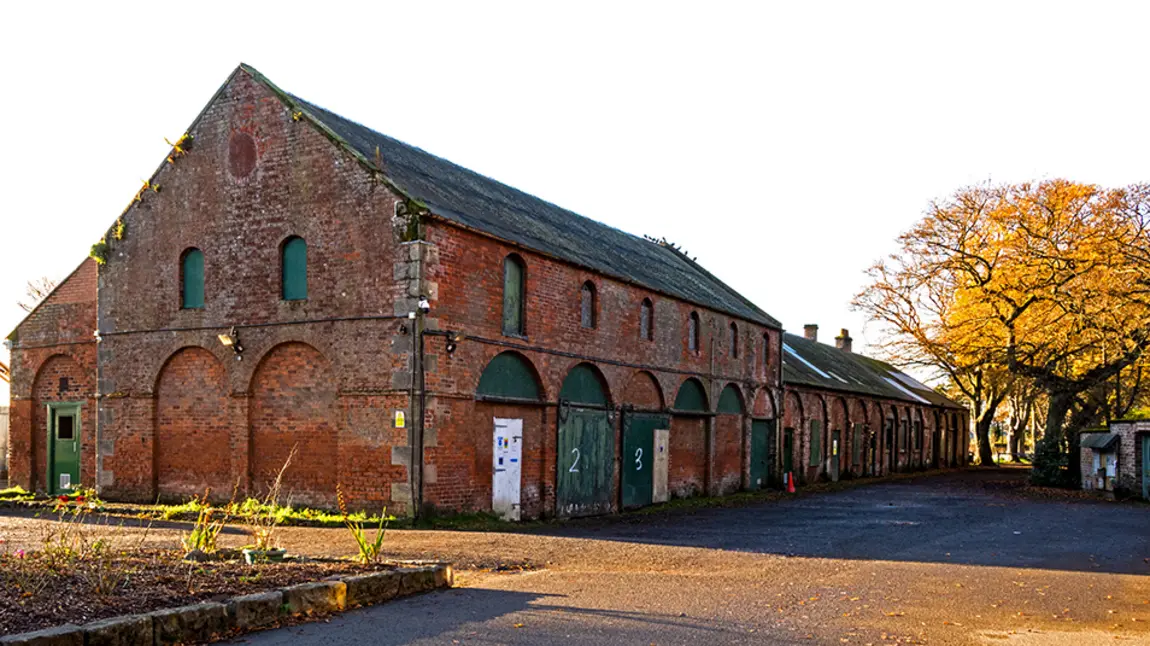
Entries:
{"x":784,"y":144}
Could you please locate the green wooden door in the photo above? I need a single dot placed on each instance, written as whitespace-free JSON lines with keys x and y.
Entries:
{"x":638,"y":457}
{"x":63,"y":447}
{"x":788,"y":450}
{"x":586,"y":462}
{"x":1146,"y":468}
{"x":760,"y":470}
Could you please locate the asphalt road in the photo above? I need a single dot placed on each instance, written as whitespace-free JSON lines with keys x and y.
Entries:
{"x":965,"y":558}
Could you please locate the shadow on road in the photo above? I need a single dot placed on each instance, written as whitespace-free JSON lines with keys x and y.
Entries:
{"x":975,"y":517}
{"x":479,"y":615}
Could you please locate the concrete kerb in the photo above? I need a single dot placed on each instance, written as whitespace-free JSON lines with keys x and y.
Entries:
{"x":204,"y":622}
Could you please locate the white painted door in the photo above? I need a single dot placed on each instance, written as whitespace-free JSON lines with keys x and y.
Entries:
{"x":659,"y":465}
{"x":507,"y":458}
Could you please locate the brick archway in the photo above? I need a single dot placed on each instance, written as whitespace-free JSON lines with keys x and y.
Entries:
{"x":192,"y":449}
{"x":293,"y":404}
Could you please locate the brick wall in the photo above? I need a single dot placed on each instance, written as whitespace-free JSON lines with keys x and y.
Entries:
{"x":326,"y":373}
{"x":1130,"y":434}
{"x":54,"y":360}
{"x":687,"y":464}
{"x":804,"y":404}
{"x":192,"y":419}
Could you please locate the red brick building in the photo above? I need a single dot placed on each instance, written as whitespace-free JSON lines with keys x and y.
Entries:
{"x":418,"y":333}
{"x":847,"y":415}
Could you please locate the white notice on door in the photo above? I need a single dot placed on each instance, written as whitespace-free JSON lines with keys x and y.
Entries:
{"x":506,"y":460}
{"x":65,"y":480}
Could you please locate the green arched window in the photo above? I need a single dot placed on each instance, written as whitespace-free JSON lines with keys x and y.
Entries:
{"x":691,"y":397}
{"x":192,"y":280}
{"x":514,"y":295}
{"x":293,"y":258}
{"x":584,"y":385}
{"x":509,"y":376}
{"x":730,"y":401}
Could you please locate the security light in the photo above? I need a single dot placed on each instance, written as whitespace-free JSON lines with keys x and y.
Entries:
{"x":232,"y":340}
{"x":424,"y":305}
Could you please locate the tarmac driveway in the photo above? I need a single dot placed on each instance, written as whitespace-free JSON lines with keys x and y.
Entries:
{"x":964,"y":558}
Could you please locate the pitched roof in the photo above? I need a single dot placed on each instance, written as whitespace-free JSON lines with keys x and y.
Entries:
{"x":1099,"y":441}
{"x":477,"y":202}
{"x":814,"y":364}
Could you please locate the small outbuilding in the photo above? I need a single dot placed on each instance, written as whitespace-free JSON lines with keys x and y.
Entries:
{"x":1099,"y":461}
{"x":1126,"y":446}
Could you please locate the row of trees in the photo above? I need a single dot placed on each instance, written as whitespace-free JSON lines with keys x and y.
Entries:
{"x":1033,"y":297}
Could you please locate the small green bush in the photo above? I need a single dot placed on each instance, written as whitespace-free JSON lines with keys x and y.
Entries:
{"x":1050,"y":466}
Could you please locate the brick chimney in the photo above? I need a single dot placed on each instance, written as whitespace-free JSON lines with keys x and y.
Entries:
{"x":811,"y":331}
{"x":843,"y":340}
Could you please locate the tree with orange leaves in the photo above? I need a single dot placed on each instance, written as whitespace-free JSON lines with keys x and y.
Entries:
{"x":1046,"y":282}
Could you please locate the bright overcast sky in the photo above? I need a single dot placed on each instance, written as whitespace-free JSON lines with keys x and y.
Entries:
{"x":784,"y":144}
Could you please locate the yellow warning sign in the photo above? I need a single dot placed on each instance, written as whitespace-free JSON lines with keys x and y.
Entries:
{"x":400,"y":420}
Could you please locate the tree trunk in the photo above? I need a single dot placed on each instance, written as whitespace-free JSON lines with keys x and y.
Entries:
{"x":982,"y":433}
{"x":1015,"y":442}
{"x":1056,"y":412}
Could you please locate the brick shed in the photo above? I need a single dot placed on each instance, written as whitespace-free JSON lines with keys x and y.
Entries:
{"x":419,"y":334}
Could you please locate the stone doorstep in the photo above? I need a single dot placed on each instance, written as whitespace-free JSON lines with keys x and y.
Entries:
{"x":203,"y":621}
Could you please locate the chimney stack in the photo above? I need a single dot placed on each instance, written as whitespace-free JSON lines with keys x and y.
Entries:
{"x":811,"y":331}
{"x":843,"y":340}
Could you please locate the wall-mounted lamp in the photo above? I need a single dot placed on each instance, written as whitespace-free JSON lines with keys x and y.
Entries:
{"x":453,"y":340}
{"x":424,"y":305}
{"x":232,"y":340}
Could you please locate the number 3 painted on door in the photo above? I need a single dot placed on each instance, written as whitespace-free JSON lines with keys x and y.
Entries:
{"x":574,"y":465}
{"x":639,"y":459}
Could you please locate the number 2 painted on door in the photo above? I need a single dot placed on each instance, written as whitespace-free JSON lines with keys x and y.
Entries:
{"x":639,"y":459}
{"x":574,"y":465}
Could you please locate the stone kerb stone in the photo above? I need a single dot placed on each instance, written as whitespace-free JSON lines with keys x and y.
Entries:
{"x":310,"y":598}
{"x":204,"y":622}
{"x":129,"y":630}
{"x":195,"y":623}
{"x":252,"y":611}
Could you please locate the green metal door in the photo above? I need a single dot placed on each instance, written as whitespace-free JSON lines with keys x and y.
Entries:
{"x":63,"y":447}
{"x":760,"y":429}
{"x":788,"y":450}
{"x":1146,"y":468}
{"x":586,"y":462}
{"x":639,"y":456}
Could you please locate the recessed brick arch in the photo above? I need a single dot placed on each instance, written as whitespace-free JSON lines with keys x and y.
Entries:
{"x":642,"y":391}
{"x":764,"y":405}
{"x":192,"y":450}
{"x":60,"y":379}
{"x":293,"y":404}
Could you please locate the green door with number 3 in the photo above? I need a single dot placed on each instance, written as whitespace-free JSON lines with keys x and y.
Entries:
{"x":638,"y":457}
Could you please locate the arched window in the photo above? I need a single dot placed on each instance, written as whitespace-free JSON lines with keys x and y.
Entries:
{"x":514,"y":295}
{"x":293,"y":265}
{"x":192,"y":280}
{"x":693,"y":332}
{"x":733,"y":340}
{"x":587,"y":305}
{"x":646,"y":320}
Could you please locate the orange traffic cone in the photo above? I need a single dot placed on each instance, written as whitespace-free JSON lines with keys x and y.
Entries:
{"x":790,"y":482}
